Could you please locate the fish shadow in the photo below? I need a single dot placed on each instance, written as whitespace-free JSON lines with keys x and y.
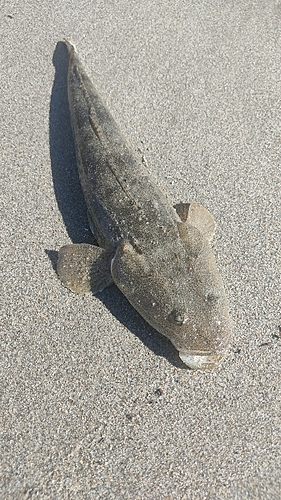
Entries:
{"x":67,"y":187}
{"x":71,"y":203}
{"x":124,"y":312}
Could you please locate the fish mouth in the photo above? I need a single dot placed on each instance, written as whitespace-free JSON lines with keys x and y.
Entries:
{"x":201,"y":361}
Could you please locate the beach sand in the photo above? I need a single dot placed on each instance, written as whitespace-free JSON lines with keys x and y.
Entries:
{"x":96,"y":404}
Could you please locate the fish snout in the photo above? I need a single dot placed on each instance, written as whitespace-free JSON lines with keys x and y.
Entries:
{"x":201,"y":361}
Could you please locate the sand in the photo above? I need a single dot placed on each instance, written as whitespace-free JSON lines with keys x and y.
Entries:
{"x":96,"y":404}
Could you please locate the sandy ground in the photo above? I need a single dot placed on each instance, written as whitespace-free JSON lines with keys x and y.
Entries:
{"x":96,"y":404}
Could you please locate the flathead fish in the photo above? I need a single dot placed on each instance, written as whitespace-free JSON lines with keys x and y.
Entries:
{"x":157,"y":254}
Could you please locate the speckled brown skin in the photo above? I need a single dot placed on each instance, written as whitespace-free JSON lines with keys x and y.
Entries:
{"x":158,"y":256}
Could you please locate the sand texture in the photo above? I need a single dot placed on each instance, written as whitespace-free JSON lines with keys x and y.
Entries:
{"x":95,"y":404}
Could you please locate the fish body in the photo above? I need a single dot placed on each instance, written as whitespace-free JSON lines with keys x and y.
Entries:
{"x":158,"y":255}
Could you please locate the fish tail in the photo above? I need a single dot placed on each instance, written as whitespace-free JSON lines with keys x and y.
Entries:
{"x":70,"y":47}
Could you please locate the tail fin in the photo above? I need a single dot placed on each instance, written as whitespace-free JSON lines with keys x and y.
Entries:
{"x":70,"y":47}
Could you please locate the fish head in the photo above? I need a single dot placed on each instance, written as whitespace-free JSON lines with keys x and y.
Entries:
{"x":178,"y":290}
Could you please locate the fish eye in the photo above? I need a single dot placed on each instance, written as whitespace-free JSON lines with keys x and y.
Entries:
{"x":176,"y":317}
{"x":212,"y":297}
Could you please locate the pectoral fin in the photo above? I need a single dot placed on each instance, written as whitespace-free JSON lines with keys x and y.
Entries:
{"x":193,"y":213}
{"x":84,"y":268}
